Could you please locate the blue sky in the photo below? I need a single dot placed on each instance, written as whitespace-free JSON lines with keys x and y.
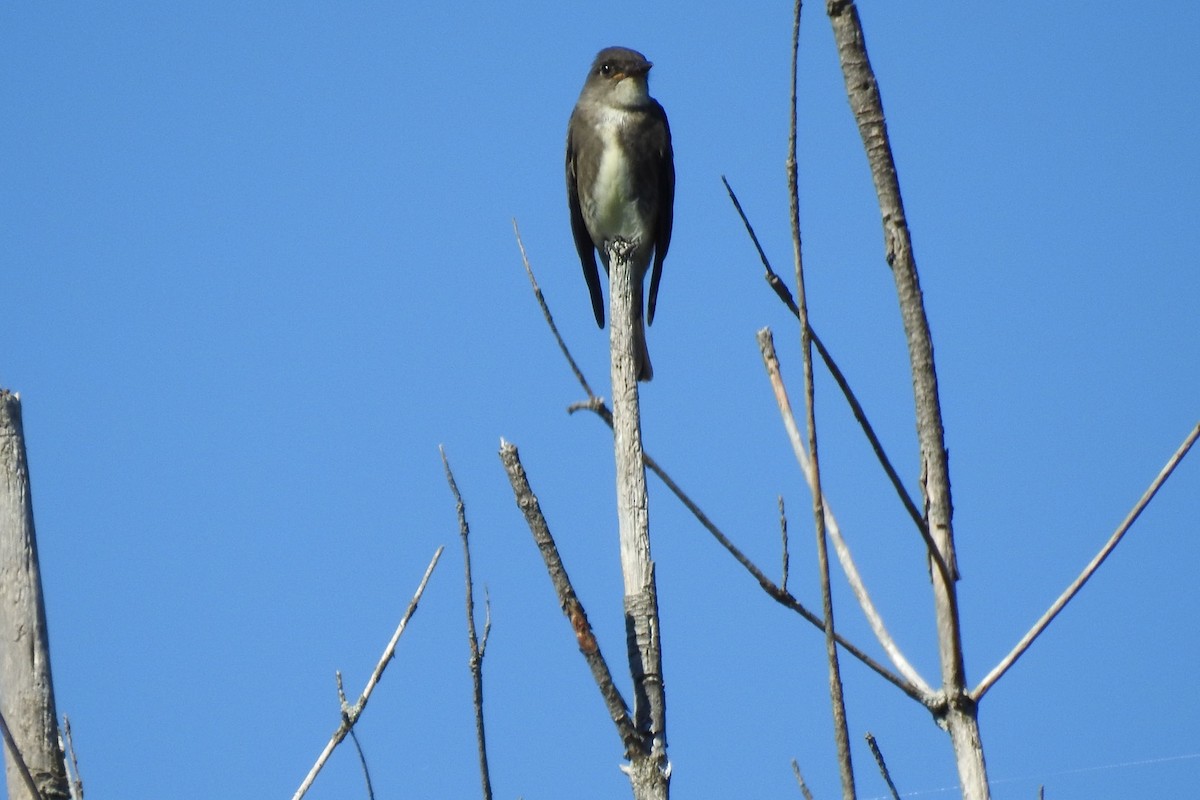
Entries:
{"x":258,"y":264}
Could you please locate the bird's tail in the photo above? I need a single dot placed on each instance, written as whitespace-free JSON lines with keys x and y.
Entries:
{"x":641,"y":355}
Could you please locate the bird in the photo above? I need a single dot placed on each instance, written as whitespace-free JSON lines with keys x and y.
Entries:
{"x":621,"y":181}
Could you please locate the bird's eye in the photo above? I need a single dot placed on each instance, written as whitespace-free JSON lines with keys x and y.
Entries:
{"x":606,"y":69}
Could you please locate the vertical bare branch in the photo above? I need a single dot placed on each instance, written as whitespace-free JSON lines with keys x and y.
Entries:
{"x":649,"y":773}
{"x":27,"y":691}
{"x":72,"y":762}
{"x":477,"y":649}
{"x":783,"y":535}
{"x":1093,"y":565}
{"x":960,"y":717}
{"x":841,"y":733}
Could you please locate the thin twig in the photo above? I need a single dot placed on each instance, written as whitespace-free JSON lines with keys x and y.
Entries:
{"x":351,"y":714}
{"x":783,"y":535}
{"x":18,"y":759}
{"x":785,"y":295}
{"x":75,"y":778}
{"x":362,"y":760}
{"x":800,"y":780}
{"x":537,"y":292}
{"x":1092,"y":566}
{"x":476,"y":657}
{"x":771,"y":361}
{"x":572,"y":608}
{"x":883,"y":770}
{"x":836,"y":690}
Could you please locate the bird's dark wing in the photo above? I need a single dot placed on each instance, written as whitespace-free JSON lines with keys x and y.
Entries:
{"x":666,"y":205}
{"x":583,"y":239}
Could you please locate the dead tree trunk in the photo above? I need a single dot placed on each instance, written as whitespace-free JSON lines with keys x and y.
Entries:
{"x":649,"y":770}
{"x":26,"y":689}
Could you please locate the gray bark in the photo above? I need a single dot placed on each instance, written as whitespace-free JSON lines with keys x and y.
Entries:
{"x":649,"y":771}
{"x":26,"y":688}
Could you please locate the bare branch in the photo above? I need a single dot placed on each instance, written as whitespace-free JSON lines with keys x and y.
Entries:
{"x":537,"y":293}
{"x":17,"y":759}
{"x":642,"y":629}
{"x":785,"y":295}
{"x":351,"y":714}
{"x":873,"y":616}
{"x":959,"y":718}
{"x":800,"y":780}
{"x":883,"y":770}
{"x":836,"y":691}
{"x":783,"y":535}
{"x":73,"y":762}
{"x":784,"y":598}
{"x":1088,"y":571}
{"x":362,"y":760}
{"x":476,"y":658}
{"x":572,"y":608}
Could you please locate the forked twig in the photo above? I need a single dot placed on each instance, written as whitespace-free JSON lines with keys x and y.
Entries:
{"x":771,"y":361}
{"x":477,"y":647}
{"x":1070,"y":592}
{"x":351,"y":714}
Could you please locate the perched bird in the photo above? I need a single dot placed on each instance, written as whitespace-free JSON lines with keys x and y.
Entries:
{"x":621,"y":180}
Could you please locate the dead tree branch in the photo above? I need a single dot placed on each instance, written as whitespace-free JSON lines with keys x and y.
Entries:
{"x":477,"y":647}
{"x":1093,"y":565}
{"x":26,"y":684}
{"x":874,"y":618}
{"x":350,"y":714}
{"x":527,"y":501}
{"x":959,"y":718}
{"x":813,"y":474}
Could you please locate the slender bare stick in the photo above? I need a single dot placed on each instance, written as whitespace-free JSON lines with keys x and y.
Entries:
{"x":573,"y":609}
{"x":1093,"y":565}
{"x":72,"y":761}
{"x":837,"y":699}
{"x":783,"y":535}
{"x":781,"y":289}
{"x":362,"y":760}
{"x":883,"y":770}
{"x":537,"y":293}
{"x":351,"y":714}
{"x":808,"y":795}
{"x":874,"y":618}
{"x":477,"y":649}
{"x":16,"y":760}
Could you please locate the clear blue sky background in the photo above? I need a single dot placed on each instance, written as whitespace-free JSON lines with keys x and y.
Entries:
{"x":258,"y":263}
